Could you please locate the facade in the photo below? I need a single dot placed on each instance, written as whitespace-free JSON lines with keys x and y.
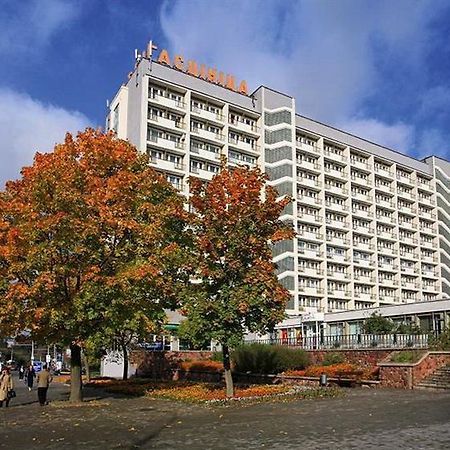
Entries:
{"x":373,"y":225}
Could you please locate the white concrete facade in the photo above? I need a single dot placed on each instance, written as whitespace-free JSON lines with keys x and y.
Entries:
{"x":366,"y":217}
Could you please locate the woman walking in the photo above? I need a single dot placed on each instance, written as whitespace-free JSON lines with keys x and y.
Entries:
{"x":30,"y":376}
{"x":6,"y":386}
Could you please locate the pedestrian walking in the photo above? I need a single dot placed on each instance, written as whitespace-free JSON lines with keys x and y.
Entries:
{"x":44,"y":378}
{"x":21,"y":372}
{"x":30,"y":376}
{"x":6,"y":387}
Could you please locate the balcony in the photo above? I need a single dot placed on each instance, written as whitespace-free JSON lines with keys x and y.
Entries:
{"x":339,"y":292}
{"x":241,"y":125}
{"x":409,"y":284}
{"x":427,"y":200}
{"x":335,"y":173}
{"x":165,"y":164}
{"x":409,"y":195}
{"x":364,"y":296}
{"x":384,"y":188}
{"x":389,"y":267}
{"x":412,"y":256}
{"x":334,"y":156}
{"x":428,"y":244}
{"x":358,"y":245}
{"x":386,"y":218}
{"x":202,"y":173}
{"x":335,"y":206}
{"x":205,"y":153}
{"x":385,"y":203}
{"x":307,"y":147}
{"x":406,"y":179}
{"x":309,"y":182}
{"x":165,"y":144}
{"x":362,"y":197}
{"x":308,"y":290}
{"x":209,"y":135}
{"x":430,"y":287}
{"x":427,"y":229}
{"x":424,"y":184}
{"x":342,"y":259}
{"x":361,"y":181}
{"x":363,"y":262}
{"x":316,"y":218}
{"x":315,"y":166}
{"x":310,"y":235}
{"x":310,"y":271}
{"x":363,"y":229}
{"x":165,"y":122}
{"x":408,"y":269}
{"x":309,"y":253}
{"x":407,"y":209}
{"x":342,"y":224}
{"x":384,"y":171}
{"x":338,"y":240}
{"x":408,"y":239}
{"x":167,"y":102}
{"x":387,"y":234}
{"x":432,"y":259}
{"x":407,"y":225}
{"x":246,"y":146}
{"x":430,"y":273}
{"x":366,"y":214}
{"x":387,"y":282}
{"x":307,"y":200}
{"x":338,"y":275}
{"x":427,"y":214}
{"x":207,"y":115}
{"x":366,"y":279}
{"x":387,"y":251}
{"x":360,"y":164}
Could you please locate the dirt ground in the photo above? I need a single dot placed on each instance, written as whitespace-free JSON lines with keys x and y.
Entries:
{"x":361,"y":419}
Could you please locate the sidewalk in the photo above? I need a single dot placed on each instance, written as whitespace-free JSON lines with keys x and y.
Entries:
{"x":362,"y":419}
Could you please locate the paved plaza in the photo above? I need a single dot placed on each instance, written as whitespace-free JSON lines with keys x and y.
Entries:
{"x":361,"y":419}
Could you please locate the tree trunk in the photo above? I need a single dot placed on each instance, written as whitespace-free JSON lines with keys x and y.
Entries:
{"x":227,"y":371}
{"x":125,"y":362}
{"x":87,"y":369}
{"x":75,"y":373}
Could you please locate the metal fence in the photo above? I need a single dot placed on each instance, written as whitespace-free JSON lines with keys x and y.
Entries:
{"x":352,"y":341}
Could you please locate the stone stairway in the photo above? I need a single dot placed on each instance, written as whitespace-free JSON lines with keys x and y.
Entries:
{"x":439,"y":379}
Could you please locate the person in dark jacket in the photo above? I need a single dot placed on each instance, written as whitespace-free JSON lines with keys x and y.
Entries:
{"x":30,"y":376}
{"x":44,"y":378}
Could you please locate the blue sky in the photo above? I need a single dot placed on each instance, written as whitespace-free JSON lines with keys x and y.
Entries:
{"x":378,"y":69}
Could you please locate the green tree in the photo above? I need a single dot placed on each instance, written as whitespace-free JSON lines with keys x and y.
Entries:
{"x":89,"y":236}
{"x":236,"y":289}
{"x":377,"y":324}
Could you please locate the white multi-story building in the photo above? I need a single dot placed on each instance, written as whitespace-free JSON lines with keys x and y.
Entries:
{"x":373,"y":225}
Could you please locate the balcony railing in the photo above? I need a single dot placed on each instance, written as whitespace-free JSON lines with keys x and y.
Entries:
{"x":352,"y":341}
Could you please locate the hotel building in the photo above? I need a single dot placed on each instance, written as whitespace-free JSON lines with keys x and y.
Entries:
{"x":373,"y":225}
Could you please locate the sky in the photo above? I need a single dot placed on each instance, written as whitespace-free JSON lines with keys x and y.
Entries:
{"x":378,"y":69}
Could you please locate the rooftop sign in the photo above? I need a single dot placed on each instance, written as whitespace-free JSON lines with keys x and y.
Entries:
{"x":191,"y":67}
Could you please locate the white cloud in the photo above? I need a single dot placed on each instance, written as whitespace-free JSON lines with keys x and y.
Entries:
{"x":324,"y":53}
{"x":28,"y":25}
{"x":27,"y":126}
{"x":398,"y":136}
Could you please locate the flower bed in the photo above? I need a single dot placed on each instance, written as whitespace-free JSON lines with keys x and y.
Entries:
{"x":202,"y":366}
{"x":206,"y":392}
{"x":342,"y":370}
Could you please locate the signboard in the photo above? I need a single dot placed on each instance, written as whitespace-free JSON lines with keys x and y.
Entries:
{"x":37,"y":365}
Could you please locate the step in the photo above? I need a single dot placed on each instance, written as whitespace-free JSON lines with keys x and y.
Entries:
{"x":433,"y":385}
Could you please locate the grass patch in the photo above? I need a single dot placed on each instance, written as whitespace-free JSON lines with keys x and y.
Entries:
{"x":406,"y":357}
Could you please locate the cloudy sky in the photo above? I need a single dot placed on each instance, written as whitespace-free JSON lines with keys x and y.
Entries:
{"x":379,"y":69}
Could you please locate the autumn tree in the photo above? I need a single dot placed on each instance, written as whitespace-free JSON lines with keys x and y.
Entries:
{"x":236,"y":290}
{"x":90,"y":235}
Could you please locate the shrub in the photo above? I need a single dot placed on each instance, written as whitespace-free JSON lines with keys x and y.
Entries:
{"x":216,"y":356}
{"x":291,"y":358}
{"x":406,"y":357}
{"x":441,"y":342}
{"x":332,"y":358}
{"x":377,"y":324}
{"x":255,"y":358}
{"x":267,"y":359}
{"x":202,"y":366}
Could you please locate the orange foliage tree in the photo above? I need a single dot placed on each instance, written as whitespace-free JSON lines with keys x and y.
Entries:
{"x":236,"y":289}
{"x":90,"y":236}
